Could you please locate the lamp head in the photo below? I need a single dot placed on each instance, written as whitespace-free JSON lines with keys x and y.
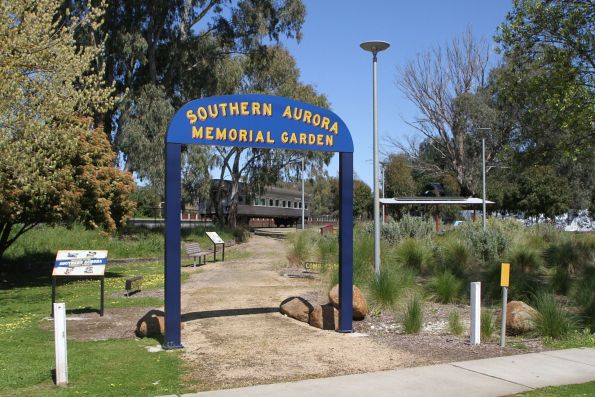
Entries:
{"x":374,"y":46}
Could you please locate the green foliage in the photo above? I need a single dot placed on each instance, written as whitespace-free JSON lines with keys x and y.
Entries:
{"x":584,"y":298}
{"x":455,"y":326}
{"x":445,"y":287}
{"x":302,"y":244}
{"x":389,"y":287}
{"x":398,"y":179}
{"x":57,"y":165}
{"x":526,"y":272}
{"x":488,"y":245}
{"x":545,"y":87}
{"x":413,"y":317}
{"x":454,"y":256}
{"x":363,"y":257}
{"x":328,"y":249}
{"x":413,"y":254}
{"x":552,"y":319}
{"x":407,"y":227}
{"x":362,"y":199}
{"x":43,"y":242}
{"x":575,"y":339}
{"x":487,"y":327}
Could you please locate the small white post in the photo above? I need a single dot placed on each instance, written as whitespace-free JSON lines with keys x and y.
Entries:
{"x":60,"y":342}
{"x":475,"y":312}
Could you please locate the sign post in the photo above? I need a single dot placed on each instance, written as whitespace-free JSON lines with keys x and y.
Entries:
{"x":59,"y":310}
{"x":217,"y":240}
{"x":80,"y":264}
{"x":475,"y":334}
{"x":504,"y":283}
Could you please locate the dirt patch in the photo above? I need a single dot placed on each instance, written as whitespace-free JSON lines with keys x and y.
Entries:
{"x":434,"y":344}
{"x":116,"y":323}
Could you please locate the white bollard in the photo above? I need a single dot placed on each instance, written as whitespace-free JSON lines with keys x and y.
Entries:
{"x":475,"y":312}
{"x":60,"y":342}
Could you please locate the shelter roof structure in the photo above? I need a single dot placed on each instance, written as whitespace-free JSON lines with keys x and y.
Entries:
{"x":435,"y":200}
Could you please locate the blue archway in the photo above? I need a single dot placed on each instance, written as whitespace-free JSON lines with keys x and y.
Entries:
{"x":260,"y":121}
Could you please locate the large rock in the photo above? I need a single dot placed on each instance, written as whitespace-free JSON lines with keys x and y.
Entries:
{"x":519,"y":317}
{"x":152,"y":324}
{"x":324,"y":317}
{"x":360,"y":306}
{"x":296,"y":307}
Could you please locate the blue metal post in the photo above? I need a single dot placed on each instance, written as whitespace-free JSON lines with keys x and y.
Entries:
{"x":173,"y":187}
{"x":346,"y":242}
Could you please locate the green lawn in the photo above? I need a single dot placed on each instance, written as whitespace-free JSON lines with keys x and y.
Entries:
{"x":41,"y":244}
{"x":99,"y":368}
{"x":113,"y":367}
{"x":584,"y":389}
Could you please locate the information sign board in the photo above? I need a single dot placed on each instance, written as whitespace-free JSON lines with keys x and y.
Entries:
{"x":215,"y":238}
{"x":80,"y":263}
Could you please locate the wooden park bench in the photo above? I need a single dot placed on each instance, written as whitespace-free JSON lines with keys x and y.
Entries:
{"x":194,"y":250}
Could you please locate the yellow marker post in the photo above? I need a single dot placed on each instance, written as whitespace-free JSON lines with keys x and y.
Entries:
{"x":505,"y":275}
{"x":504,"y":283}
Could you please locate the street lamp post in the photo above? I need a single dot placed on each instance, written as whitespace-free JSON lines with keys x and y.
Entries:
{"x":375,"y":47}
{"x":483,"y":177}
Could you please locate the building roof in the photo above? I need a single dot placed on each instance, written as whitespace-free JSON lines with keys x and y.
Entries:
{"x":434,"y":200}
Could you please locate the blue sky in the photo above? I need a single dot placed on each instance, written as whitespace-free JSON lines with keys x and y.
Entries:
{"x":330,"y":58}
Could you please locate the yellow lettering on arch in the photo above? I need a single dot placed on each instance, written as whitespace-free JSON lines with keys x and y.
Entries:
{"x":244,"y":109}
{"x":197,"y":132}
{"x":287,"y":112}
{"x":329,"y":140}
{"x":221,"y":134}
{"x":191,"y":116}
{"x":284,"y":137}
{"x":335,"y":128}
{"x":267,"y":109}
{"x":209,"y":135}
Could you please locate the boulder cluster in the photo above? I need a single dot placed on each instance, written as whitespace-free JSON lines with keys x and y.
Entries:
{"x":323,"y":316}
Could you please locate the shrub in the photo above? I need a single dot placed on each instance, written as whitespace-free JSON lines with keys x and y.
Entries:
{"x":487,"y":327}
{"x":363,"y":257}
{"x":407,"y":227}
{"x":487,"y":245}
{"x":552,"y":320}
{"x":455,"y":326}
{"x":301,"y":246}
{"x":445,"y":288}
{"x":390,"y":285}
{"x":568,"y":257}
{"x":526,"y":272}
{"x":584,"y":297}
{"x":240,"y":234}
{"x":413,"y":254}
{"x":456,"y":257}
{"x":328,"y":249}
{"x":413,"y":316}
